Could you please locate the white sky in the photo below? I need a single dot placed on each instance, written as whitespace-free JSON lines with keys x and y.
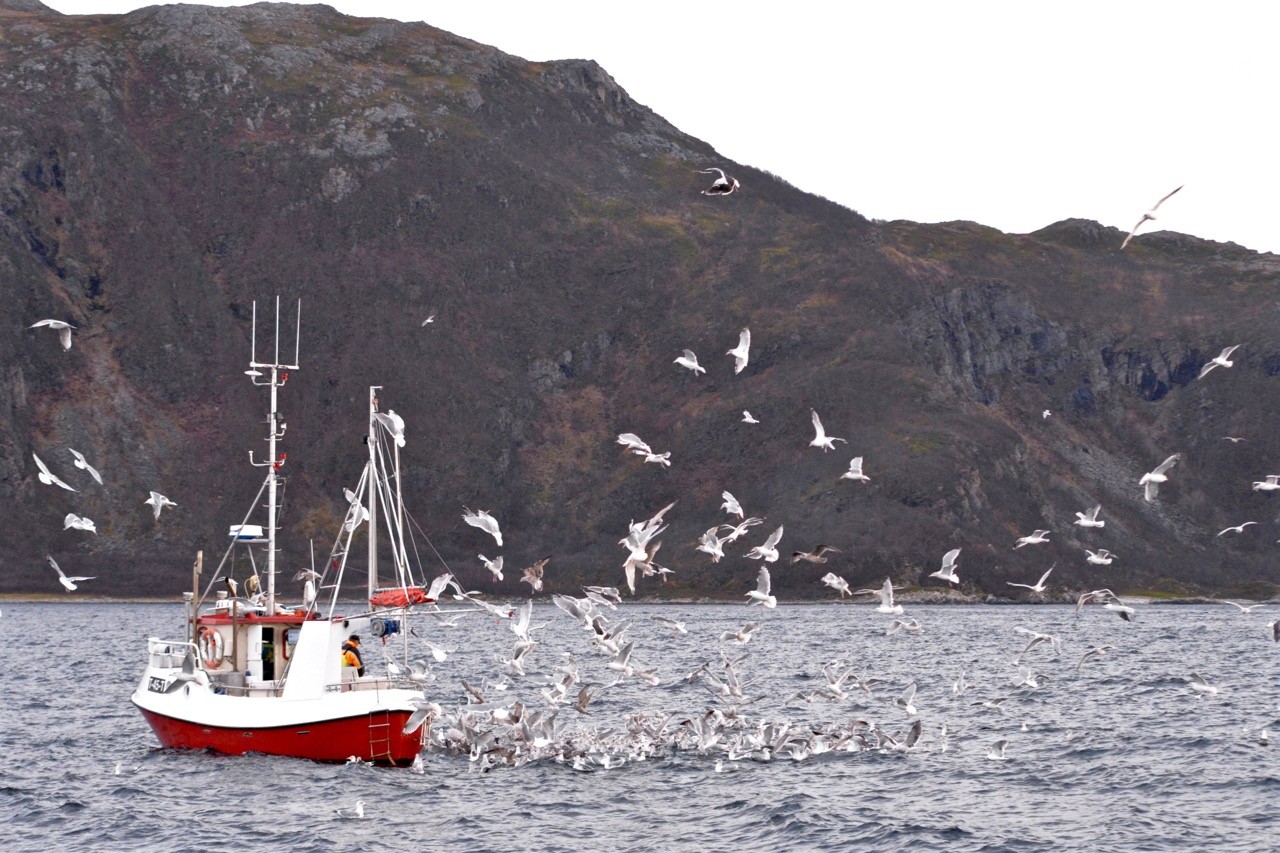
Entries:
{"x":1012,"y":114}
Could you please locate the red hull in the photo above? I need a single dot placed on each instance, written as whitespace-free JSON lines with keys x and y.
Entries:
{"x":372,"y":737}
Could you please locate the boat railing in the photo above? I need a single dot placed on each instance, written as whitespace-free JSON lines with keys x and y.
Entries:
{"x":169,"y":654}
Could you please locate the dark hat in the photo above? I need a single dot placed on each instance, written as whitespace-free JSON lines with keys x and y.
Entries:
{"x":355,"y":638}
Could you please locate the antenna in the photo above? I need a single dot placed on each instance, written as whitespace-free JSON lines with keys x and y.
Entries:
{"x":277,"y":328}
{"x":253,"y":337}
{"x":297,"y":334}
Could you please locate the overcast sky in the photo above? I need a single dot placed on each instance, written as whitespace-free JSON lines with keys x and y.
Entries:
{"x":1012,"y":114}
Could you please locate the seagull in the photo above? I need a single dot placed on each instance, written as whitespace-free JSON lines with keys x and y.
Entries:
{"x":855,"y":471}
{"x":1090,"y":517}
{"x":48,"y":477}
{"x":904,"y":701}
{"x":1221,"y":360}
{"x":731,"y":505}
{"x":494,"y":566}
{"x":837,"y":583}
{"x":1149,"y":215}
{"x":994,"y":704}
{"x":886,"y":605}
{"x":742,"y":352}
{"x":741,"y":637}
{"x":723,"y":185}
{"x":1118,"y":607}
{"x":82,"y":464}
{"x":158,"y":502}
{"x":1275,"y":630}
{"x":1036,"y":537}
{"x":357,"y":813}
{"x":821,"y":439}
{"x":748,"y":418}
{"x":1036,"y":639}
{"x":1101,"y":557}
{"x":1271,"y":484}
{"x":68,"y":583}
{"x":711,"y":544}
{"x":1233,"y":439}
{"x":1264,"y":738}
{"x":393,"y":423}
{"x":78,"y":522}
{"x":64,"y":330}
{"x":533,"y":574}
{"x":948,"y":570}
{"x":430,"y":319}
{"x":485,"y":522}
{"x":310,"y":576}
{"x":769,"y":550}
{"x":1026,"y":679}
{"x":1201,"y":687}
{"x":1092,"y":653}
{"x":634,"y":443}
{"x":1239,"y":528}
{"x":1039,"y":586}
{"x":678,"y":627}
{"x":1045,"y":414}
{"x":690,"y":361}
{"x":1245,"y":609}
{"x":996,"y":753}
{"x":663,"y":459}
{"x":1153,"y":480}
{"x":760,"y":595}
{"x":814,"y":556}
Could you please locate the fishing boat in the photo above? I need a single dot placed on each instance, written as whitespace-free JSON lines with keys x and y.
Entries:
{"x":255,"y":673}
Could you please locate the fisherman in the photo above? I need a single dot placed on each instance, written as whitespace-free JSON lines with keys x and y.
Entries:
{"x":351,"y":654}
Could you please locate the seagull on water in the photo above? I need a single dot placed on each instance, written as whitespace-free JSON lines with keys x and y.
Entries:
{"x":79,"y":523}
{"x":748,"y":418}
{"x":48,"y":477}
{"x":855,"y":471}
{"x":742,"y":352}
{"x":83,"y":465}
{"x":948,"y":570}
{"x":760,"y":595}
{"x":1239,"y":528}
{"x":483,"y":521}
{"x":1146,"y":217}
{"x":1151,"y":482}
{"x":494,"y":566}
{"x":1039,"y":586}
{"x":1271,"y":484}
{"x":355,"y":814}
{"x":1036,"y":538}
{"x":1090,"y":517}
{"x":63,"y":329}
{"x":821,"y":439}
{"x":1201,"y":687}
{"x":68,"y":583}
{"x":723,"y":185}
{"x":1220,"y":360}
{"x":690,"y":361}
{"x":158,"y":502}
{"x":996,"y":753}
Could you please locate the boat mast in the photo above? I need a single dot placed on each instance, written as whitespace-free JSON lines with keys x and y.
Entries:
{"x":373,"y":490}
{"x":275,"y":431}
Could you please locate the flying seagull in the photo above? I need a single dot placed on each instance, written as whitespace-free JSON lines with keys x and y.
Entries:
{"x":837,"y":583}
{"x":64,"y":330}
{"x":82,"y":464}
{"x":1239,"y":528}
{"x":1090,"y":518}
{"x":78,"y":522}
{"x":1271,"y":484}
{"x":731,"y":505}
{"x":68,"y":583}
{"x":430,"y":319}
{"x":742,"y":352}
{"x":855,"y":471}
{"x":769,"y":550}
{"x":948,"y":570}
{"x":48,"y":477}
{"x":690,"y":361}
{"x":748,"y":418}
{"x":1101,"y":557}
{"x":723,"y":185}
{"x":1222,"y":360}
{"x":1151,"y":482}
{"x":821,"y":439}
{"x":485,"y":522}
{"x":1149,"y":215}
{"x":158,"y":502}
{"x":494,"y":566}
{"x":1039,"y":587}
{"x":1035,"y":538}
{"x":817,"y":555}
{"x":760,"y":595}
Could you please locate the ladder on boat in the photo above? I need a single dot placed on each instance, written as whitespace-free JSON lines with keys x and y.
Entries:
{"x":379,"y":735}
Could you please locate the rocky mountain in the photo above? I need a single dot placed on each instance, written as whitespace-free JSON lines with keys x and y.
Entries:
{"x":161,"y":170}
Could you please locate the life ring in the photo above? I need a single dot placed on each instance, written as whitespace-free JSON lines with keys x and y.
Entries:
{"x":210,"y":647}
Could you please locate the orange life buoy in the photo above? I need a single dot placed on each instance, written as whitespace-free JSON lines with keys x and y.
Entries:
{"x":210,"y":647}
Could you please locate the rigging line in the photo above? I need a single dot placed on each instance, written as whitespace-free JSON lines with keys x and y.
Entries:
{"x":430,"y":544}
